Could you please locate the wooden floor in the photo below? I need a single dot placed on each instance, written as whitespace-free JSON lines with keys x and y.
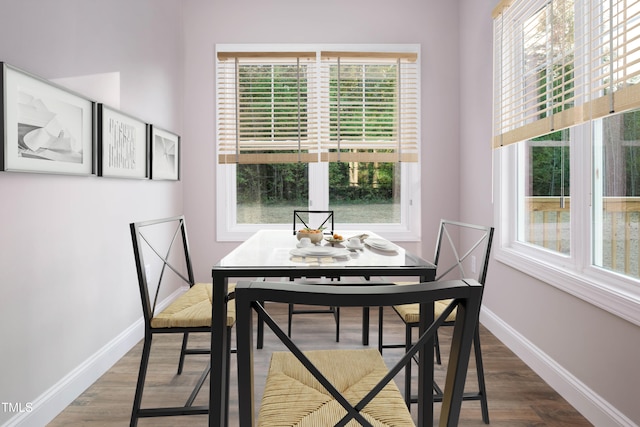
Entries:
{"x":517,"y":396}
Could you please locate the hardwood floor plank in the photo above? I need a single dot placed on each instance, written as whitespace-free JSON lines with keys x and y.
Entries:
{"x":517,"y":396}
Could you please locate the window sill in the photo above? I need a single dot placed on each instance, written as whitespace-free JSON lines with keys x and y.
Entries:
{"x":599,"y":288}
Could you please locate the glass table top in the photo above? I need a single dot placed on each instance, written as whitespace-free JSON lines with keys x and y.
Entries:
{"x":278,"y":248}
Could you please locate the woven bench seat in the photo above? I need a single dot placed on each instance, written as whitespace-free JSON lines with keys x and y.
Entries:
{"x":293,"y":397}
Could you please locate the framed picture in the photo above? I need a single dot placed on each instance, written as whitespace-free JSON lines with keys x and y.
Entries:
{"x":122,"y":145}
{"x":165,"y":154}
{"x":45,"y":127}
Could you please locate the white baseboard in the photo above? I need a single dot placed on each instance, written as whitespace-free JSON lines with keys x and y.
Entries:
{"x":591,"y":405}
{"x":53,"y":401}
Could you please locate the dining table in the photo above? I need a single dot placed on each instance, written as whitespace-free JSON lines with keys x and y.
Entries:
{"x":275,"y":254}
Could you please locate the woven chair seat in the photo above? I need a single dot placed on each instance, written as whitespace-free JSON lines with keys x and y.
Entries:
{"x":292,"y":396}
{"x":410,"y":313}
{"x":193,"y":309}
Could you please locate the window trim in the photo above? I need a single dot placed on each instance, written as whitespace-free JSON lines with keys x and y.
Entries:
{"x":408,"y":230}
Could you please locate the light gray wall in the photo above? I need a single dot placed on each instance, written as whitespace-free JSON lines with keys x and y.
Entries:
{"x":587,"y":353}
{"x":67,"y":277}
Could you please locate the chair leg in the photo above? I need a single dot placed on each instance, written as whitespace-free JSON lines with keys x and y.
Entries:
{"x":482,"y":389}
{"x":331,"y":310}
{"x":336,"y":314}
{"x":407,"y":368}
{"x":228,"y":373}
{"x":290,"y":320}
{"x":260,"y":333}
{"x":481,"y":395}
{"x":437,"y":348}
{"x":142,"y":374}
{"x":183,"y":352}
{"x":380,"y":321}
{"x":198,"y":386}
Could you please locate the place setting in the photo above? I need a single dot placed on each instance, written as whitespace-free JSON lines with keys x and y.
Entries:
{"x":306,"y":248}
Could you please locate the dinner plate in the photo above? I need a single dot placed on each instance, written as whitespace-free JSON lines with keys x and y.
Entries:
{"x":381,"y":244}
{"x":320,"y":251}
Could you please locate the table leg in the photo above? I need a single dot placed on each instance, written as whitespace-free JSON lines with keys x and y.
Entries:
{"x":260,"y":337}
{"x":218,"y":391}
{"x":365,"y":325}
{"x":425,"y":367}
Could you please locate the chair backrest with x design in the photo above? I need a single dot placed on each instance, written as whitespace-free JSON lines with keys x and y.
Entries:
{"x":161,"y":251}
{"x":321,"y":220}
{"x":362,"y":390}
{"x":462,"y":251}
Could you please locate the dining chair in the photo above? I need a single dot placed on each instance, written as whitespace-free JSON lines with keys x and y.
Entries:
{"x":348,"y":386}
{"x":462,"y":251}
{"x":319,"y":220}
{"x":163,"y":263}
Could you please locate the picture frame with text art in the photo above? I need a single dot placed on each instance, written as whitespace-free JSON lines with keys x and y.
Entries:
{"x":123,"y":145}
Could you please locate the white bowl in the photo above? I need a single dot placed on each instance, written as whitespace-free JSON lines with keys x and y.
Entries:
{"x":314,"y":237}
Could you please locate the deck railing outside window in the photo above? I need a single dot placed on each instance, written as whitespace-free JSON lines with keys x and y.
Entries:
{"x":548,"y":226}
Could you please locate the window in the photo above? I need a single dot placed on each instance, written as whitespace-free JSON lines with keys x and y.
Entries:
{"x":616,"y":210}
{"x":317,"y":127}
{"x":567,"y":137}
{"x":544,"y":214}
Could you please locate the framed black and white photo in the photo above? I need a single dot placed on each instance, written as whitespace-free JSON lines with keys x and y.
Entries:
{"x":165,"y":154}
{"x":123,"y":144}
{"x":45,"y":127}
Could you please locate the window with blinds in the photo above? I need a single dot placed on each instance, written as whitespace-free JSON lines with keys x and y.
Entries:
{"x":370,"y":113}
{"x":266,"y":108}
{"x":284,"y":107}
{"x":567,"y":105}
{"x":559,"y":63}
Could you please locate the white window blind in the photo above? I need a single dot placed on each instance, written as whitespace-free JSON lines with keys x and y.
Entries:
{"x":281,"y":107}
{"x":370,"y":107}
{"x":563,"y":62}
{"x":266,"y":112}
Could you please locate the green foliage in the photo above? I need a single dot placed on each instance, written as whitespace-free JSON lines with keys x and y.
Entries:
{"x":273,"y":183}
{"x":372,"y":85}
{"x":548,"y":164}
{"x":632,"y":168}
{"x":288,"y":183}
{"x":561,"y":91}
{"x":270,"y":98}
